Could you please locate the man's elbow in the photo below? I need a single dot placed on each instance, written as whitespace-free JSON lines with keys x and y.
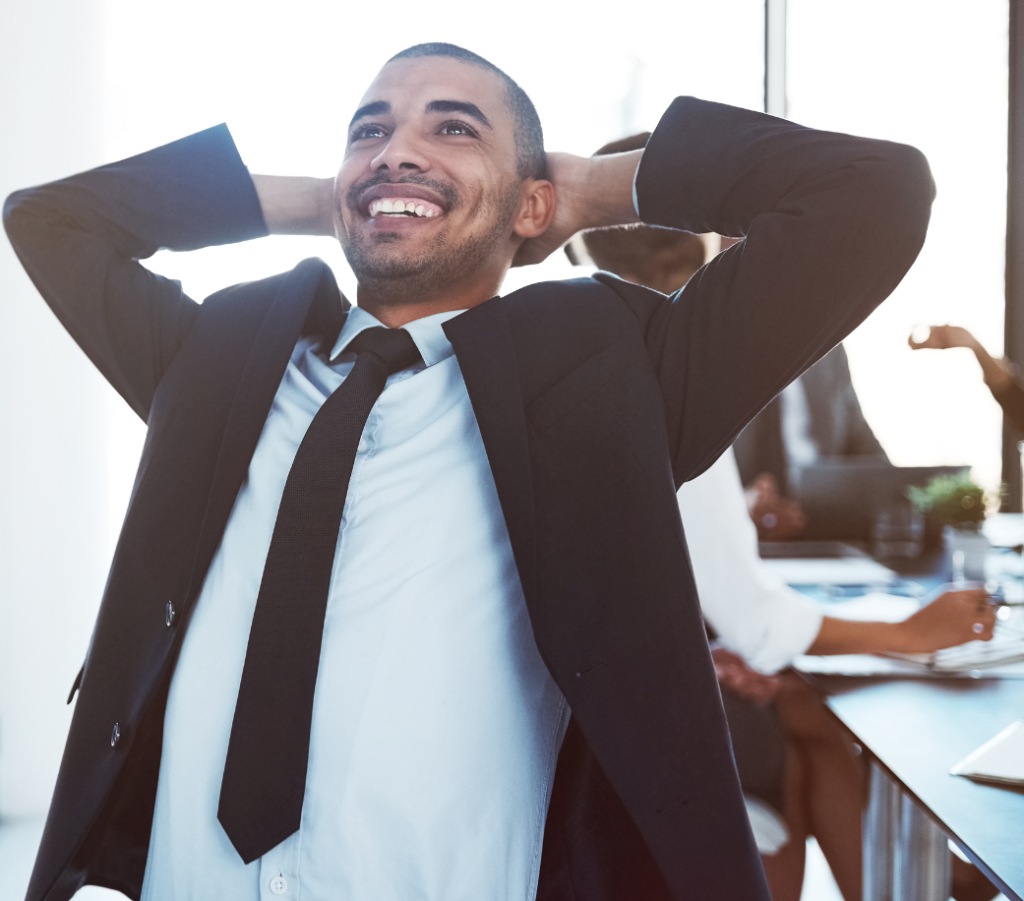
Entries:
{"x":908,"y":190}
{"x":15,"y":214}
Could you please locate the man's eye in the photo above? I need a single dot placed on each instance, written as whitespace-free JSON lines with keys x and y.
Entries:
{"x":457,"y":128}
{"x":367,"y":131}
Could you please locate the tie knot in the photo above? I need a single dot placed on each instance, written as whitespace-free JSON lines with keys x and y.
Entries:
{"x":394,"y":346}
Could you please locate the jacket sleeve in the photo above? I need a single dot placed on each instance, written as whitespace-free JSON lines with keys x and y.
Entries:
{"x":81,"y":238}
{"x":831,"y":225}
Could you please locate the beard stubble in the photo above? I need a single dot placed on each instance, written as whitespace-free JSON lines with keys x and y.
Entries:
{"x":408,"y":277}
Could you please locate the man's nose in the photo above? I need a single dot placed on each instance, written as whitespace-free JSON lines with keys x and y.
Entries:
{"x":402,"y":152}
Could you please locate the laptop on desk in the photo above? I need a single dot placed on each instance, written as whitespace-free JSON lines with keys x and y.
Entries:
{"x":842,"y":496}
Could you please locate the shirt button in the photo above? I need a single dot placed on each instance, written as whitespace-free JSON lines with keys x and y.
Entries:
{"x":169,"y":614}
{"x":278,"y":885}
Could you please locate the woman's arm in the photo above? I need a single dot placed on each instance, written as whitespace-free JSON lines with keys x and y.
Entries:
{"x":1003,"y":384}
{"x":942,"y":337}
{"x":951,"y":619}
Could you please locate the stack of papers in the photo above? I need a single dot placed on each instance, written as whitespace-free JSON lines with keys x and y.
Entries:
{"x":1000,"y":761}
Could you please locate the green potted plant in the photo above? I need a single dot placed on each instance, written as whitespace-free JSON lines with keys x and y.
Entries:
{"x":957,"y":504}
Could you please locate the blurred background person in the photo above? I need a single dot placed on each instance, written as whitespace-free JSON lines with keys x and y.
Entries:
{"x":800,"y":773}
{"x":999,"y":375}
{"x":817,"y":416}
{"x":790,"y":752}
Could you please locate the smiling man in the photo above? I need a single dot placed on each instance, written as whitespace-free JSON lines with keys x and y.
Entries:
{"x":402,"y":606}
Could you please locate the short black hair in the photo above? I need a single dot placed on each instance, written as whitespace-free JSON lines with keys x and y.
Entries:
{"x":531,"y":161}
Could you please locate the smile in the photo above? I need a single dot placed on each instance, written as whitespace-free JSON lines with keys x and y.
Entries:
{"x":403,"y":207}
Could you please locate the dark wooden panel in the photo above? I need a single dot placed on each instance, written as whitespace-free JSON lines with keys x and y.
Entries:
{"x":1014,"y":335}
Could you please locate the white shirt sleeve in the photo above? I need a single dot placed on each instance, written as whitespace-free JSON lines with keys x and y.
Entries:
{"x":755,"y":614}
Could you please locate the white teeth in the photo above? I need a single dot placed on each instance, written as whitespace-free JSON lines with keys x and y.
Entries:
{"x":399,"y":207}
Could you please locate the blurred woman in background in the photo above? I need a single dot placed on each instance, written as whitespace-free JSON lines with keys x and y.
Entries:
{"x":998,"y":374}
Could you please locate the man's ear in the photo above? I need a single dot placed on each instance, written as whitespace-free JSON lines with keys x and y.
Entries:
{"x":536,"y":208}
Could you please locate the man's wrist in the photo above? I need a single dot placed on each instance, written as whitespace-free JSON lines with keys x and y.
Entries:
{"x":294,"y":205}
{"x":609,"y":190}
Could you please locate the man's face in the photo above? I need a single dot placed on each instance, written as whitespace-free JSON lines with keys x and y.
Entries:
{"x":428,"y":189}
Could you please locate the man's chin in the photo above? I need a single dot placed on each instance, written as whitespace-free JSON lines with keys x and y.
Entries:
{"x":382,"y":266}
{"x":389,"y":269}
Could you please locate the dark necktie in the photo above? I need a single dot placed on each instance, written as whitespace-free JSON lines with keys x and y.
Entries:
{"x":265,"y":771}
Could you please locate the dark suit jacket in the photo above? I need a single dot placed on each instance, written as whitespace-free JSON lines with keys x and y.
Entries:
{"x":595,"y":398}
{"x":837,"y":424}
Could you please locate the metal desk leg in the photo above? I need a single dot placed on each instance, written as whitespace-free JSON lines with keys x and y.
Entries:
{"x":923,"y":865}
{"x":881,"y":827}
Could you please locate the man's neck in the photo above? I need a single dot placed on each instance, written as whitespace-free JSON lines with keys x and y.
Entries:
{"x":396,"y":310}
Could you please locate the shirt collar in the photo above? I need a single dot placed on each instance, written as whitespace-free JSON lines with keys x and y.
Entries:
{"x":427,"y":334}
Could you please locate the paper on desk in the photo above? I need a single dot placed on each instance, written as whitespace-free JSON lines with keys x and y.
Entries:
{"x":999,"y":761}
{"x":874,"y":607}
{"x":870,"y":666}
{"x":830,"y":571}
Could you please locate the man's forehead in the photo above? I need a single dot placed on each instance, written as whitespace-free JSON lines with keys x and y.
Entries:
{"x":413,"y":84}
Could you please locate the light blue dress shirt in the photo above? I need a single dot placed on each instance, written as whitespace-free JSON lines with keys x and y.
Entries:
{"x":436,"y":726}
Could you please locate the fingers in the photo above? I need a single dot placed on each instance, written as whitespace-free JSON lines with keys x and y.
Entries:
{"x":976,"y":614}
{"x":983,"y":628}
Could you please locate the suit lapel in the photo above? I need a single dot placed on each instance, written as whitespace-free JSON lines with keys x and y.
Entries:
{"x":483,"y":346}
{"x":308,"y":302}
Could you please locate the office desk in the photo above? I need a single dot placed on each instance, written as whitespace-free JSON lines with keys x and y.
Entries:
{"x":914,"y":730}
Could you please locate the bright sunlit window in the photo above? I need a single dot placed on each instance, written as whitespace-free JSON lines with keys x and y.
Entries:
{"x":944,"y":91}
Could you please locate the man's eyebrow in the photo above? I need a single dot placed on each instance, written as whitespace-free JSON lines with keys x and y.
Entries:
{"x":377,"y":108}
{"x":459,"y":106}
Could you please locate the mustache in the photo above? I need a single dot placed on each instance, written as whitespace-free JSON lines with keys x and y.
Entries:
{"x":445,"y":190}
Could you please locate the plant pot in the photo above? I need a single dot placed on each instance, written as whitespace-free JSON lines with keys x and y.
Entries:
{"x":972,"y":545}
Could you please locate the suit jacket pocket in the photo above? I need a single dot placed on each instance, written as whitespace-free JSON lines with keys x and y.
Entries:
{"x":585,"y":380}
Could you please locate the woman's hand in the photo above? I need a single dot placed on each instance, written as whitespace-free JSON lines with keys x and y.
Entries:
{"x":952,"y":618}
{"x":942,"y":337}
{"x":734,"y":673}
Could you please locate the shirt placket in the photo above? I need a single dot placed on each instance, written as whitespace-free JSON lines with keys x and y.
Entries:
{"x":279,"y":871}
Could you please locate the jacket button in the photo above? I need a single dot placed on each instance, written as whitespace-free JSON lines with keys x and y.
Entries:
{"x":169,"y":614}
{"x":115,"y":736}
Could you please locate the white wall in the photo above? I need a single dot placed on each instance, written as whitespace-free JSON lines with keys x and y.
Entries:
{"x":52,"y":479}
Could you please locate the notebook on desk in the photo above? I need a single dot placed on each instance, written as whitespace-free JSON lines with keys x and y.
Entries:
{"x":1000,"y":761}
